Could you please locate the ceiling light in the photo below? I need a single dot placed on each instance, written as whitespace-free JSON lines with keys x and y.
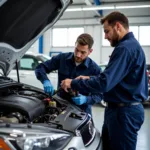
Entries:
{"x":136,"y":6}
{"x":91,"y":8}
{"x":74,"y":9}
{"x":96,"y":8}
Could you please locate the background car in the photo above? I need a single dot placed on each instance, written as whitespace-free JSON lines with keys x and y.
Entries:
{"x":27,"y":65}
{"x":148,"y":76}
{"x":103,"y":65}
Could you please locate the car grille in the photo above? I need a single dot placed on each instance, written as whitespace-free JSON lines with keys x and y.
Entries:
{"x":87,"y":132}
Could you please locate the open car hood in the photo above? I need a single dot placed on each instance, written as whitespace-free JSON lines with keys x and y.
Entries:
{"x":22,"y":22}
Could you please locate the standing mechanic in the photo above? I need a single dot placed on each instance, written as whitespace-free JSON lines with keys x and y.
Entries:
{"x":124,"y":84}
{"x":71,"y":65}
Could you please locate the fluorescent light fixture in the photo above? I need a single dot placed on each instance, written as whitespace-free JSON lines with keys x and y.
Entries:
{"x":91,"y":8}
{"x":136,"y":6}
{"x":74,"y":9}
{"x":96,"y":8}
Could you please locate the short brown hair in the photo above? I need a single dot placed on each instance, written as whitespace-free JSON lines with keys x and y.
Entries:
{"x":85,"y":39}
{"x":114,"y":17}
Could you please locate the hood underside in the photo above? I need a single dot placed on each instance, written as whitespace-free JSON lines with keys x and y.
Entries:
{"x":22,"y":23}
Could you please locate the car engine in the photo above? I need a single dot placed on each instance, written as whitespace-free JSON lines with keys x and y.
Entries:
{"x":26,"y":106}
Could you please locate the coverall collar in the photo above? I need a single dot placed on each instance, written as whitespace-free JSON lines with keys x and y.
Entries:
{"x":85,"y":63}
{"x":129,"y":34}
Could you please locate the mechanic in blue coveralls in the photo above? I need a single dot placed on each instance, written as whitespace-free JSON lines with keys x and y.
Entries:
{"x":71,"y":65}
{"x":123,"y":83}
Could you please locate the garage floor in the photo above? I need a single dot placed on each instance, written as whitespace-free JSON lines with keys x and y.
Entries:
{"x":144,"y":134}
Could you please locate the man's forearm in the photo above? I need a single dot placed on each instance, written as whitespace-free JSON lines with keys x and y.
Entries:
{"x":92,"y":99}
{"x":91,"y":86}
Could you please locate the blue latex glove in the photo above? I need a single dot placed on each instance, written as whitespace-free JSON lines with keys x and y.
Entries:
{"x":80,"y":99}
{"x":48,"y":88}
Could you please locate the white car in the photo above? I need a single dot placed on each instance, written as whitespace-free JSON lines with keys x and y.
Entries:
{"x":26,"y":68}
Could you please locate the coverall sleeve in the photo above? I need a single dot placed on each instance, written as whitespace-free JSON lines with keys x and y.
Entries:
{"x":117,"y":68}
{"x":95,"y":97}
{"x":47,"y":67}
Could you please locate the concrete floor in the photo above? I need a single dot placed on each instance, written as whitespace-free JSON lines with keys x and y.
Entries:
{"x":143,"y":142}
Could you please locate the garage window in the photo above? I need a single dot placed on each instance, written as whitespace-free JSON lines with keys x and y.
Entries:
{"x":135,"y":30}
{"x":73,"y":33}
{"x":59,"y":37}
{"x":65,"y":37}
{"x":144,"y":38}
{"x":105,"y":42}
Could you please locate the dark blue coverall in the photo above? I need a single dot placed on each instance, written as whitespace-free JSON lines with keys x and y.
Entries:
{"x":124,"y":84}
{"x":67,"y":68}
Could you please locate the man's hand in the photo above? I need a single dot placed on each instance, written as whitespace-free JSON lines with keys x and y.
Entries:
{"x":48,"y":88}
{"x":66,"y":84}
{"x":80,"y":99}
{"x":83,"y":77}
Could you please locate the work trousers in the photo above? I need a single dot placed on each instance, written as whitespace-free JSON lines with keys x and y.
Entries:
{"x":121,"y":126}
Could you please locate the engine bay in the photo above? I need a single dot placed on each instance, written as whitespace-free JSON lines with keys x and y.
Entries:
{"x":26,"y":106}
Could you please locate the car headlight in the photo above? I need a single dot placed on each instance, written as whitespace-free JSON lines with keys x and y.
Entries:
{"x":40,"y":142}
